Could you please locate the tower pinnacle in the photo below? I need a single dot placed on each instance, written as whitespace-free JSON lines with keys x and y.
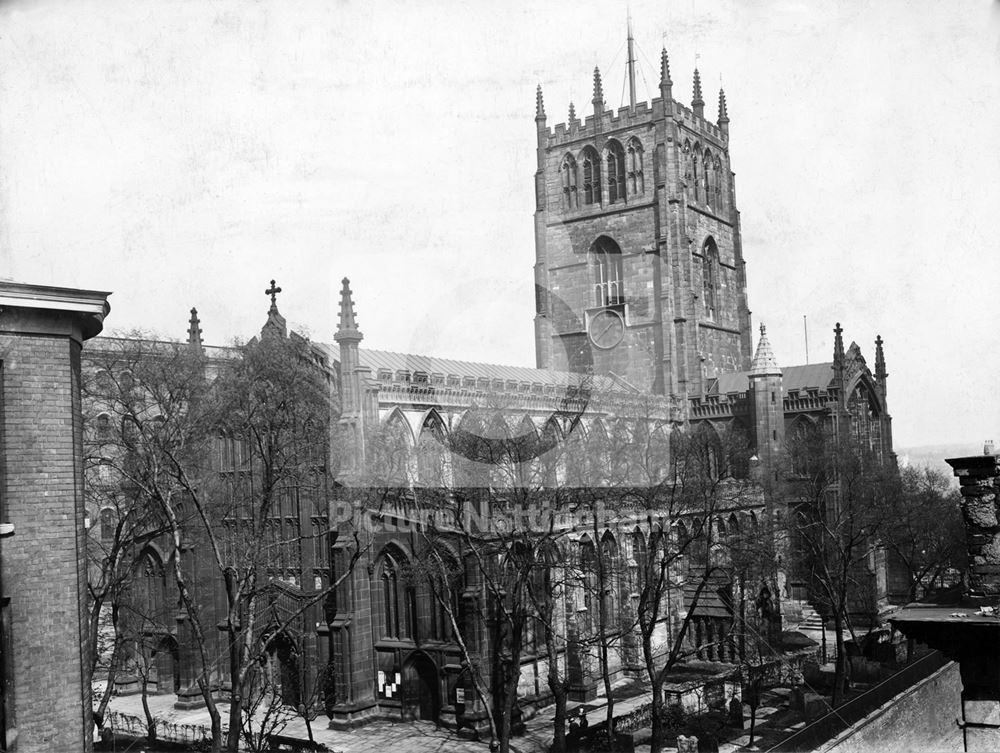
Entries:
{"x":697,"y":103}
{"x":539,"y":104}
{"x":194,"y":329}
{"x":598,"y":92}
{"x":572,"y":113}
{"x":880,"y":372}
{"x":723,"y":114}
{"x":666,"y":85}
{"x":348,"y":326}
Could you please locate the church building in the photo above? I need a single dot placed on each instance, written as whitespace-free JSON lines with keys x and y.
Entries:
{"x":642,"y":325}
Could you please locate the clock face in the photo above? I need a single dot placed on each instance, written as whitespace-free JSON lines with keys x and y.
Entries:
{"x":607,"y":328}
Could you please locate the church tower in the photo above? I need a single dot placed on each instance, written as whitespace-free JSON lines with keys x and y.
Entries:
{"x":639,"y":271}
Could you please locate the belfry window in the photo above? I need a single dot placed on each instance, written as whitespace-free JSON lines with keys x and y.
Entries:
{"x":607,"y":260}
{"x":707,"y":176}
{"x":709,"y":275}
{"x":615,"y":159}
{"x":634,"y":164}
{"x":591,"y":177}
{"x":695,"y":177}
{"x":570,"y":198}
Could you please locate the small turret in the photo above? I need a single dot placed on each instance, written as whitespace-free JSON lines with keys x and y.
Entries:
{"x":539,"y":105}
{"x":838,"y":354}
{"x":352,"y":382}
{"x":723,"y":114}
{"x":697,"y":103}
{"x":880,"y":372}
{"x":666,"y":85}
{"x":767,"y":403}
{"x":194,"y":330}
{"x":598,"y":93}
{"x":347,"y":329}
{"x":764,"y":362}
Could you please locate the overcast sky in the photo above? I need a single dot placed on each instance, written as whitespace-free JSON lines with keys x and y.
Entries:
{"x":184,"y":153}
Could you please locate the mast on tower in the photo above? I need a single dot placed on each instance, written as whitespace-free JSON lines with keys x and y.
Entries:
{"x":631,"y":67}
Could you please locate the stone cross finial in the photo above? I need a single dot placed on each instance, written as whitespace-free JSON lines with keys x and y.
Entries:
{"x":273,"y":292}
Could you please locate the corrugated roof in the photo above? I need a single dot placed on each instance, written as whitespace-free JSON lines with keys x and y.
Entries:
{"x":810,"y":375}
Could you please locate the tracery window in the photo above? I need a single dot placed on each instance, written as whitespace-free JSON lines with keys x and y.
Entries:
{"x":397,"y":598}
{"x":615,"y":160}
{"x":570,"y":198}
{"x":709,"y":275}
{"x":720,"y":194}
{"x":707,"y":176}
{"x":695,"y":175}
{"x":636,"y":183}
{"x":607,"y":261}
{"x":591,"y":177}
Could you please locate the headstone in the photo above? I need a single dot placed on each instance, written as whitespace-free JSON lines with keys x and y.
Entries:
{"x":736,"y":713}
{"x":686,"y":744}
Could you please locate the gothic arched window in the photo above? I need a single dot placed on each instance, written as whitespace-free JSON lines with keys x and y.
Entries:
{"x":615,"y":160}
{"x":636,"y":183}
{"x":709,"y":276}
{"x":695,"y":174}
{"x":607,"y":261}
{"x":397,"y":599}
{"x":568,"y":170}
{"x":591,"y":177}
{"x":707,"y":176}
{"x":720,"y":194}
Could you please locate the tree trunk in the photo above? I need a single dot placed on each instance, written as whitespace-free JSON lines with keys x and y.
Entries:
{"x":559,"y":693}
{"x":235,"y":693}
{"x":840,"y":667}
{"x":102,"y":707}
{"x":656,"y":712}
{"x":150,"y":721}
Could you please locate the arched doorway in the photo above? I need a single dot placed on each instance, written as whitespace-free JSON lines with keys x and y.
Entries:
{"x":164,"y":658}
{"x":421,"y":689}
{"x":282,"y":666}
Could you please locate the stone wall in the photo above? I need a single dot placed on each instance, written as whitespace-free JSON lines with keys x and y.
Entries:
{"x":921,"y":718}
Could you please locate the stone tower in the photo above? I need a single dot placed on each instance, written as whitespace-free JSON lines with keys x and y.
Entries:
{"x":767,"y":401}
{"x":639,"y":271}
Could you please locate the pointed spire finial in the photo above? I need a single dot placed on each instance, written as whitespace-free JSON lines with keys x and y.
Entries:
{"x":598,"y":91}
{"x":697,"y":103}
{"x":194,"y":329}
{"x":880,"y":372}
{"x":723,"y":113}
{"x":664,"y":69}
{"x":572,"y":113}
{"x":348,"y":325}
{"x":539,"y":104}
{"x":764,"y":362}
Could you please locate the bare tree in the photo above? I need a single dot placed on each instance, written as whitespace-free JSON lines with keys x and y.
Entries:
{"x":924,"y":532}
{"x":841,"y":503}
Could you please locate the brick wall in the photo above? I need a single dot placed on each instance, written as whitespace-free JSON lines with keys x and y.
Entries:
{"x":44,"y":562}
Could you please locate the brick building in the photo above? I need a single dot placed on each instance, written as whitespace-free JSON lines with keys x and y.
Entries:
{"x":44,"y":660}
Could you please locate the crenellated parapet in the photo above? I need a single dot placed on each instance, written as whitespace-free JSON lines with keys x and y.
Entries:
{"x":625,"y":118}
